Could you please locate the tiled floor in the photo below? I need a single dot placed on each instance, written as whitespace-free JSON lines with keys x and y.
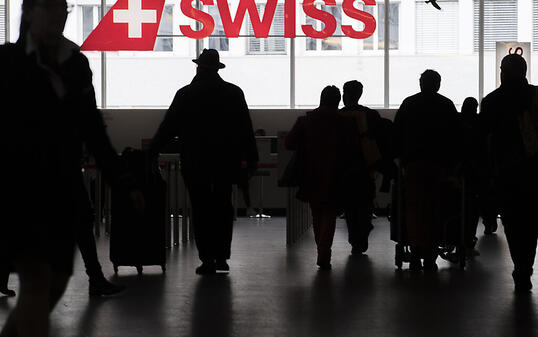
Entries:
{"x":273,"y":290}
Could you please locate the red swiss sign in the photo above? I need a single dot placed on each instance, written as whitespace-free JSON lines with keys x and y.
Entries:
{"x":133,"y":24}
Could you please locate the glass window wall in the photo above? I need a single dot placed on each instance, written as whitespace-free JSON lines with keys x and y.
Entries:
{"x":273,"y":75}
{"x":438,"y":40}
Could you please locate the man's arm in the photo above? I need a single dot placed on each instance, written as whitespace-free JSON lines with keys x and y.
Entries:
{"x":169,"y":127}
{"x":486,"y":157}
{"x":114,"y":168}
{"x":296,"y":135}
{"x":93,"y":130}
{"x":248,"y":141}
{"x":454,"y":139}
{"x":484,"y":118}
{"x":398,"y":128}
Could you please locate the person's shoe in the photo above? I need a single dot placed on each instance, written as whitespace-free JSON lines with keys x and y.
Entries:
{"x":430,"y":267}
{"x":251,"y":213}
{"x":206,"y":269}
{"x":8,"y":292}
{"x":360,"y":247}
{"x":324,"y":260}
{"x":523,"y":284}
{"x":453,"y":257}
{"x":221,"y":265}
{"x":362,"y":244}
{"x":324,"y":265}
{"x":104,"y":288}
{"x":356,"y":251}
{"x":490,"y":228}
{"x":415,"y":265}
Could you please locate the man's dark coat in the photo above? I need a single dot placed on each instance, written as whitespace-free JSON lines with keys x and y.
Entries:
{"x":211,"y":119}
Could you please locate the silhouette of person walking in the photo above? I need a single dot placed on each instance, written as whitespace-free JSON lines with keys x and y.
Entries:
{"x":509,"y":121}
{"x":331,"y":145}
{"x":425,"y":140}
{"x":359,"y":211}
{"x":471,"y":151}
{"x":211,"y":119}
{"x":475,"y":150}
{"x":49,"y":110}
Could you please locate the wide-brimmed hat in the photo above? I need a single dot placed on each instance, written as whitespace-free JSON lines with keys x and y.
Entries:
{"x":209,"y":58}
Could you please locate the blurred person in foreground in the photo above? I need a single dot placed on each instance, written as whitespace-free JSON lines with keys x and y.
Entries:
{"x":49,"y":111}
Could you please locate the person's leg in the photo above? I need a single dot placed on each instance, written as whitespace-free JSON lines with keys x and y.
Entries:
{"x":223,"y":223}
{"x":88,"y":250}
{"x":99,"y":285}
{"x":489,"y":211}
{"x":246,"y":195}
{"x":521,"y":235}
{"x":244,"y":186}
{"x":59,"y":283}
{"x":352,"y":221}
{"x":472,"y":213}
{"x":245,"y":192}
{"x":201,"y":196}
{"x":10,"y":325}
{"x":430,"y":254}
{"x":364,"y":220}
{"x":30,"y":317}
{"x":415,"y":264}
{"x":57,"y":286}
{"x":316,"y":218}
{"x":327,"y":226}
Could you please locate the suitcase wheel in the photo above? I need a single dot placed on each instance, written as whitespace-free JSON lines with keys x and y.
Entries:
{"x":139,"y":269}
{"x":115,"y":269}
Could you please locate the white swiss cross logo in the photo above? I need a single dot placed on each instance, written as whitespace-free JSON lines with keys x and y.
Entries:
{"x":135,"y":16}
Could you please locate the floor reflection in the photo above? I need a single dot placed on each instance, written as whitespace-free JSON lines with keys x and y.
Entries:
{"x":212,"y":312}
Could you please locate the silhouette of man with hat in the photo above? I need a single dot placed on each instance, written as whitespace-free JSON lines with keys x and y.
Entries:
{"x":211,"y":119}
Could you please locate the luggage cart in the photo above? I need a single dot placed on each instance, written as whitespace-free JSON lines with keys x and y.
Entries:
{"x":452,"y":244}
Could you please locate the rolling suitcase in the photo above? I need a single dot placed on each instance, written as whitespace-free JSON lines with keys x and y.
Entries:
{"x":137,"y":240}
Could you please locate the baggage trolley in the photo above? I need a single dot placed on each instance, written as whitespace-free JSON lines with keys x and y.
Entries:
{"x":452,"y":243}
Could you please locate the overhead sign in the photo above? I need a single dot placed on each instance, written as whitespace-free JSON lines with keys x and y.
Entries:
{"x":128,"y":25}
{"x":505,"y":48}
{"x":133,"y":24}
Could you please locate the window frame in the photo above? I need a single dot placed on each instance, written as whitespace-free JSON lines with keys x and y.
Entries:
{"x":296,"y":50}
{"x":207,"y":39}
{"x":444,"y":51}
{"x":262,"y":40}
{"x":319,"y":51}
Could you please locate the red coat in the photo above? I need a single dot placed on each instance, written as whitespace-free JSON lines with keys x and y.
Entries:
{"x":331,"y":141}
